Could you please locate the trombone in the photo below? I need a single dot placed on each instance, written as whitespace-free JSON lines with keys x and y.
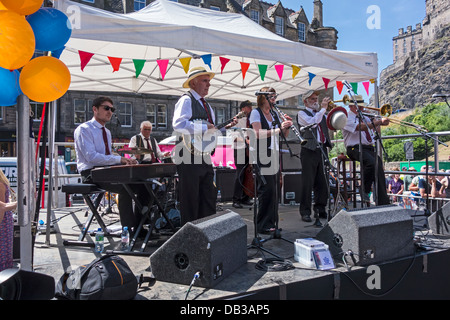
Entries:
{"x":385,"y":110}
{"x":400,"y":122}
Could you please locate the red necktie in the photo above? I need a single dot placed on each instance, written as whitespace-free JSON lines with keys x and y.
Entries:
{"x":322,"y":137}
{"x":105,"y":140}
{"x":368,"y":136}
{"x":148,"y":147}
{"x":207,"y":110}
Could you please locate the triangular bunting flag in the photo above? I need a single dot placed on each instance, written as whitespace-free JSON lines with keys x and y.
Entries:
{"x":207,"y":60}
{"x":279,"y":68}
{"x":85,"y":57}
{"x":311,"y":76}
{"x":185,"y":62}
{"x":366,"y":86}
{"x":295,"y":71}
{"x":162,"y":67}
{"x":372,"y":80}
{"x":138,"y":66}
{"x":354,"y":87}
{"x":339,"y":86}
{"x":223,"y":63}
{"x":326,"y":82}
{"x":115,"y":63}
{"x":244,"y":68}
{"x":262,"y":70}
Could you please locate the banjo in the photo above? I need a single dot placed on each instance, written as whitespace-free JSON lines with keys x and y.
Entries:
{"x":203,"y":143}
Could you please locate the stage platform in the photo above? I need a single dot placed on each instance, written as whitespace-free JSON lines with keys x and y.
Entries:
{"x":421,"y":275}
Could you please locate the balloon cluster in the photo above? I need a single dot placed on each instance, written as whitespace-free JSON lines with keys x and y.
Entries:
{"x":26,"y":26}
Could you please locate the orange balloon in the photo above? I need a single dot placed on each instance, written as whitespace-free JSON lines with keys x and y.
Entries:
{"x":2,"y":7}
{"x":17,"y":42}
{"x":44,"y":79}
{"x":23,"y":7}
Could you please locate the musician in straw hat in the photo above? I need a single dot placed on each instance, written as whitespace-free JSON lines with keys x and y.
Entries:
{"x":197,"y":191}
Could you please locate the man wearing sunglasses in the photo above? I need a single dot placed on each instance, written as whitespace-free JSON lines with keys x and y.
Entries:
{"x":93,"y":149}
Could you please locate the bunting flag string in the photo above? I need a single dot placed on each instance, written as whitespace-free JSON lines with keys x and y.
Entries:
{"x":279,"y":68}
{"x":366,"y":86}
{"x":339,"y":86}
{"x":163,"y":67}
{"x":185,"y":62}
{"x":223,"y":63}
{"x":115,"y":62}
{"x":262,"y":70}
{"x":326,"y":82}
{"x":295,"y":71}
{"x":85,"y":57}
{"x":244,"y":68}
{"x":311,"y":76}
{"x":138,"y":66}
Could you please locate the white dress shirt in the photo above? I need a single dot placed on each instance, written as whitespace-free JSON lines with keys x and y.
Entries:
{"x":306,"y":120}
{"x":90,"y":147}
{"x":351,"y":134}
{"x":183,"y":113}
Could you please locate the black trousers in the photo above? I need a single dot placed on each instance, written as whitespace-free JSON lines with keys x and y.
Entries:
{"x":313,"y":178}
{"x":368,"y":165}
{"x":267,"y":216}
{"x":196,"y":191}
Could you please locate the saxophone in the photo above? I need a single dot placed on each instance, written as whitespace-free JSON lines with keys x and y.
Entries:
{"x":293,"y":127}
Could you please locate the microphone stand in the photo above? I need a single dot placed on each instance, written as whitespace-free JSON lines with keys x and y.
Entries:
{"x":276,"y":122}
{"x":257,"y":177}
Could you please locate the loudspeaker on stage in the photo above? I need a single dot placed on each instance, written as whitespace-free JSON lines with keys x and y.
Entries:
{"x":374,"y":234}
{"x":214,"y":246}
{"x":439,"y":221}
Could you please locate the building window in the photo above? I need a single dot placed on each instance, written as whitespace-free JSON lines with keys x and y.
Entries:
{"x":279,"y":26}
{"x":36,"y":110}
{"x":125,"y":114}
{"x":90,"y":1}
{"x":214,"y":8}
{"x":254,"y":15}
{"x":220,"y":115}
{"x":157,"y":115}
{"x":301,"y":32}
{"x":79,"y":111}
{"x":139,"y":4}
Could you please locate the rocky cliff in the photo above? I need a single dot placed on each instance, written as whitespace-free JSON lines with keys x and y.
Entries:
{"x":411,"y":82}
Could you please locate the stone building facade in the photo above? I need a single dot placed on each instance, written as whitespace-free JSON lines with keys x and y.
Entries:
{"x":75,"y":106}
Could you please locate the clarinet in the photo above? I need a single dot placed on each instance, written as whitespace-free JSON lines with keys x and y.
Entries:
{"x":293,"y":128}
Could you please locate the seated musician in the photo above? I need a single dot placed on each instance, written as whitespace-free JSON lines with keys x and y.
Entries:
{"x":143,"y":140}
{"x":93,"y":149}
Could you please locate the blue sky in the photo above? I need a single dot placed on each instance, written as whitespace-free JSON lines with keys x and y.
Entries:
{"x":350,"y":18}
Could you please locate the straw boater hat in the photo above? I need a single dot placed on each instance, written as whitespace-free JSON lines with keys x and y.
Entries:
{"x":359,"y":99}
{"x":196,"y":72}
{"x":308,"y":94}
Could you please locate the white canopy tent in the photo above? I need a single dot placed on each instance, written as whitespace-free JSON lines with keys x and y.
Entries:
{"x":167,"y":30}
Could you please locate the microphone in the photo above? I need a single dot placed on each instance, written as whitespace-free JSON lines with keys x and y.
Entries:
{"x":345,"y":82}
{"x":440,"y":95}
{"x":265,"y":93}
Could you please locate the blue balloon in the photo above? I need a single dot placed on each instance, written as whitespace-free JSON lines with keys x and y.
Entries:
{"x":51,"y":27}
{"x":10,"y":88}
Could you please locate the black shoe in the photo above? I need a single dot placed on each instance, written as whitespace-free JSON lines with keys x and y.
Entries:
{"x":306,"y":218}
{"x":247,"y":202}
{"x":237,"y":205}
{"x":268,"y":231}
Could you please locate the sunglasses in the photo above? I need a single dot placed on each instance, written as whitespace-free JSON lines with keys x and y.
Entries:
{"x":107,"y":108}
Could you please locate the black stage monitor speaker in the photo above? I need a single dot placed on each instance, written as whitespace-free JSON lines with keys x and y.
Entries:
{"x":225,"y":178}
{"x":439,"y":222}
{"x":291,"y":162}
{"x":373,"y":234}
{"x":214,"y":246}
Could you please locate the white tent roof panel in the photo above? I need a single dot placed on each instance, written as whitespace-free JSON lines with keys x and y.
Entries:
{"x":169,"y":30}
